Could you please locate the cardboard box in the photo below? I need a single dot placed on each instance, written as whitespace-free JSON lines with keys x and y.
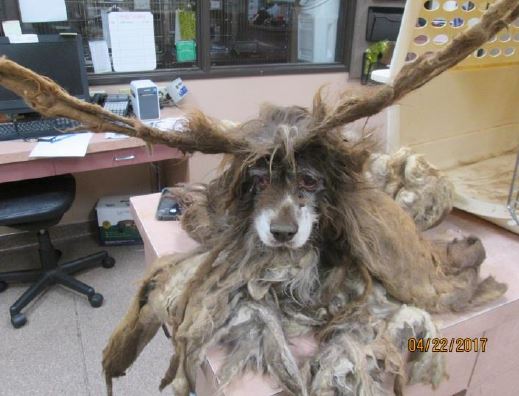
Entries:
{"x":115,"y":222}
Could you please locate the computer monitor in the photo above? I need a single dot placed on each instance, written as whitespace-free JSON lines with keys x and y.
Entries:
{"x":60,"y":58}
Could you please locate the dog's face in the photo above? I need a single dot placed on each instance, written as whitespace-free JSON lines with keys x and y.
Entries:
{"x":285,"y":203}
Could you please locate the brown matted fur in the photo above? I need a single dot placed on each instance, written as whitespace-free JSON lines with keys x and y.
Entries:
{"x":364,"y":280}
{"x":363,"y":246}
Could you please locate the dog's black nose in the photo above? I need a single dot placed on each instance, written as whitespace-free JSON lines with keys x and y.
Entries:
{"x":283,"y":232}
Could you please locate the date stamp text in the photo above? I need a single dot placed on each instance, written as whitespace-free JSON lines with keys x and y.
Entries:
{"x":447,"y":344}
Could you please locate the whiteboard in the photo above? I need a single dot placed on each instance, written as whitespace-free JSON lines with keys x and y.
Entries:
{"x":133,"y":41}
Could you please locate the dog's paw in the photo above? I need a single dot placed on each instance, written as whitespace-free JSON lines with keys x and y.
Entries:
{"x":345,"y":366}
{"x":464,"y":253}
{"x":411,"y":322}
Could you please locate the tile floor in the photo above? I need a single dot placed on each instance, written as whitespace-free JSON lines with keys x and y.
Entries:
{"x":58,"y":351}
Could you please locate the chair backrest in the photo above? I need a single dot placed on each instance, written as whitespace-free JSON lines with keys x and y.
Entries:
{"x":472,"y":110}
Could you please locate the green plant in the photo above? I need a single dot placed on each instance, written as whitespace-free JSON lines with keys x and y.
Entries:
{"x":373,"y":53}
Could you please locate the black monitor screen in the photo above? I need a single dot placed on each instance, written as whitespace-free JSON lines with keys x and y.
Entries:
{"x":59,"y":58}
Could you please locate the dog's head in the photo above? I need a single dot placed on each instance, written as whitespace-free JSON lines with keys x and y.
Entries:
{"x":285,"y":209}
{"x":284,"y":191}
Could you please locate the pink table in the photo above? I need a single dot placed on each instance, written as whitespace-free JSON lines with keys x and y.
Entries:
{"x":494,"y":371}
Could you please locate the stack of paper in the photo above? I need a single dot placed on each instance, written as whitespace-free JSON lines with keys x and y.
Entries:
{"x":72,"y":145}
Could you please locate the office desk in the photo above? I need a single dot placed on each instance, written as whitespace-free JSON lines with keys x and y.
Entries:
{"x":482,"y":373}
{"x":15,"y":163}
{"x":102,"y":153}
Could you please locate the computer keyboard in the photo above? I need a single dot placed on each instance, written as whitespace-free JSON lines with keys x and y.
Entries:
{"x":32,"y":129}
{"x":8,"y":131}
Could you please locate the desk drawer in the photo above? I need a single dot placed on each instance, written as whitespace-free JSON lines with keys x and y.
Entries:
{"x":31,"y":169}
{"x":112,"y":159}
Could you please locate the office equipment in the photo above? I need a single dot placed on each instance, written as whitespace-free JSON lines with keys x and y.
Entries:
{"x":35,"y":128}
{"x":73,"y":145}
{"x":8,"y":131}
{"x":132,"y":41}
{"x":35,"y":205}
{"x":57,"y":57}
{"x":177,"y":90}
{"x":168,"y":207}
{"x":43,"y":11}
{"x":117,"y":104}
{"x":145,"y":99}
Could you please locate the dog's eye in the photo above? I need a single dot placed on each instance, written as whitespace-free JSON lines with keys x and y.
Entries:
{"x":262,"y":181}
{"x":308,"y":183}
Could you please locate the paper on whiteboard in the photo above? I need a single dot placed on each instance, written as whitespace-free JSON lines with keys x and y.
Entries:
{"x":23,"y":38}
{"x":43,"y":11}
{"x":12,"y":28}
{"x":100,"y":56}
{"x":133,"y":41}
{"x":74,"y":145}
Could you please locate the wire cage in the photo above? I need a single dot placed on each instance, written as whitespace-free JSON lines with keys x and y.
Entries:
{"x":466,"y":120}
{"x":513,"y":196}
{"x":251,"y":32}
{"x":241,"y":34}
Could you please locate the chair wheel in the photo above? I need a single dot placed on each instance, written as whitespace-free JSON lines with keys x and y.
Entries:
{"x":96,"y":300}
{"x":108,"y":262}
{"x":3,"y":286}
{"x":18,"y":320}
{"x":58,"y":254}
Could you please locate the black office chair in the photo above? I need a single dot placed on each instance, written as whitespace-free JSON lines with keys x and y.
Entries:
{"x":35,"y":205}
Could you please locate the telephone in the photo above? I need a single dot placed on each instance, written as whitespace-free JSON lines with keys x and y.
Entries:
{"x":169,"y":208}
{"x":118,"y":104}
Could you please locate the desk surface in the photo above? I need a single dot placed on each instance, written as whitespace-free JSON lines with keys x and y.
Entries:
{"x":15,"y":163}
{"x":19,"y":150}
